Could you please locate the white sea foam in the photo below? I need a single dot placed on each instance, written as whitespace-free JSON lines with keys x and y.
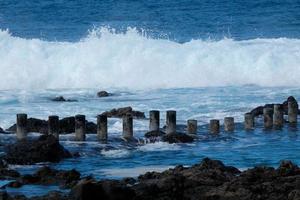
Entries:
{"x":115,"y":153}
{"x":130,"y":60}
{"x":159,"y":146}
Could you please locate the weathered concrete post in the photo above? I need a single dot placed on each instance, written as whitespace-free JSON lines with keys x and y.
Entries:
{"x":268,"y":118}
{"x":21,"y":126}
{"x":128,"y":126}
{"x":53,"y":126}
{"x":278,"y":116}
{"x":171,"y":121}
{"x":214,"y":126}
{"x":249,"y":121}
{"x":192,"y":126}
{"x":80,"y":127}
{"x":229,"y":124}
{"x":292,"y":112}
{"x":154,"y":120}
{"x":102,"y":127}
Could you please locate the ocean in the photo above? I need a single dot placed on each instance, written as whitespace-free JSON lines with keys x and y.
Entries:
{"x":204,"y":59}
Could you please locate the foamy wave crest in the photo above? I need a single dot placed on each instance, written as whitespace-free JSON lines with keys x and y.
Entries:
{"x":107,"y":59}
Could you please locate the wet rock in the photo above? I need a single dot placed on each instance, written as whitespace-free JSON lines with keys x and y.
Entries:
{"x":154,"y":134}
{"x":44,"y":149}
{"x":103,"y":94}
{"x":33,"y":125}
{"x":49,"y":176}
{"x":177,"y":138}
{"x":62,"y":99}
{"x":106,"y":189}
{"x":66,"y":125}
{"x":120,"y":112}
{"x":1,"y":130}
{"x":259,"y":110}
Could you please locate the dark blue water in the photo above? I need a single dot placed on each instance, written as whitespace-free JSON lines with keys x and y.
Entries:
{"x":178,"y":20}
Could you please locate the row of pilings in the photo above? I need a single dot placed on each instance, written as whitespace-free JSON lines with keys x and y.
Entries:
{"x":273,"y":117}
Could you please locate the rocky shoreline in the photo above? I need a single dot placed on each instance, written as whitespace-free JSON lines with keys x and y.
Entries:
{"x":210,"y":179}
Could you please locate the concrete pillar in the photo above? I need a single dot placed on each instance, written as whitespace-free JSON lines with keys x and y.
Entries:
{"x":192,"y":126}
{"x":292,"y":112}
{"x":80,"y":127}
{"x":214,"y":126}
{"x":278,"y":116}
{"x":21,"y":126}
{"x":102,"y":127}
{"x":249,"y":121}
{"x":229,"y":124}
{"x":268,"y":118}
{"x":53,"y":126}
{"x":128,"y":126}
{"x":171,"y":121}
{"x":154,"y":120}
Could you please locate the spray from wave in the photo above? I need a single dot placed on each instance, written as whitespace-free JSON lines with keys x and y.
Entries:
{"x":106,"y":59}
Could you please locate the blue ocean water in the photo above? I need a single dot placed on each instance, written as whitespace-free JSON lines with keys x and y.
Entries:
{"x":178,"y":20}
{"x":204,"y":59}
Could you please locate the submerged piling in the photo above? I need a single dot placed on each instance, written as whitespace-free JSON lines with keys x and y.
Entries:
{"x":268,"y":118}
{"x":21,"y":126}
{"x":128,"y":126}
{"x":249,"y":121}
{"x":192,"y":126}
{"x":80,"y":127}
{"x":102,"y":127}
{"x":171,"y":121}
{"x":292,"y":112}
{"x":229,"y":124}
{"x":53,"y":126}
{"x":278,"y":116}
{"x":154,"y":120}
{"x":214,"y":126}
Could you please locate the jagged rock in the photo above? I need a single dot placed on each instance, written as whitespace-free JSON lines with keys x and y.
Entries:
{"x":106,"y":189}
{"x":44,"y":149}
{"x":1,"y":130}
{"x":49,"y":176}
{"x":259,"y":110}
{"x":103,"y":94}
{"x":33,"y":125}
{"x":120,"y":112}
{"x":177,"y":138}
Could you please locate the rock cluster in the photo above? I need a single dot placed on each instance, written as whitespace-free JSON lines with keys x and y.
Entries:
{"x":44,"y":149}
{"x":208,"y":180}
{"x":284,"y":106}
{"x":120,"y":112}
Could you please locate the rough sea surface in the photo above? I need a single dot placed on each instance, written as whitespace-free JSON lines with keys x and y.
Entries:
{"x":204,"y":59}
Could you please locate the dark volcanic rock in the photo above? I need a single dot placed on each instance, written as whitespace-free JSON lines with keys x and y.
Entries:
{"x":44,"y":149}
{"x":120,"y":112}
{"x":177,"y":138}
{"x":1,"y":130}
{"x":66,"y":125}
{"x":33,"y":125}
{"x":208,"y":180}
{"x":62,"y":99}
{"x":106,"y":189}
{"x":49,"y":176}
{"x":153,"y":134}
{"x":103,"y":94}
{"x":259,"y":110}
